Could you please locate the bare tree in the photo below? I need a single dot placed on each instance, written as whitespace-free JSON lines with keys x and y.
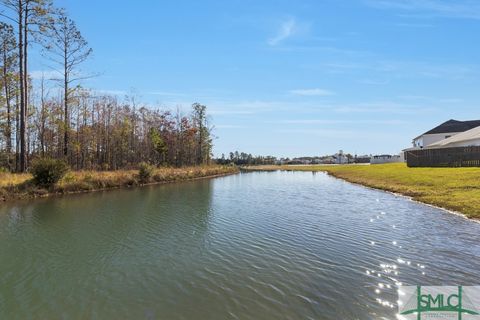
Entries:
{"x":17,"y":8}
{"x":68,"y":51}
{"x":28,"y":16}
{"x":8,"y":58}
{"x":90,"y":131}
{"x":204,"y":140}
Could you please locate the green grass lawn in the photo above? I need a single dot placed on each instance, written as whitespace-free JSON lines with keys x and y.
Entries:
{"x":456,"y":189}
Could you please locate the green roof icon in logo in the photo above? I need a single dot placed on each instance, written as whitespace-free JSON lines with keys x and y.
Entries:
{"x":440,"y":303}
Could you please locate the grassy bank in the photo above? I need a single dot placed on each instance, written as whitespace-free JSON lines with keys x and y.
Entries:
{"x":456,"y":189}
{"x":20,"y":186}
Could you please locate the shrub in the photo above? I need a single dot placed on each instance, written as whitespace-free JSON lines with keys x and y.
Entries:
{"x":46,"y":172}
{"x":145,"y":172}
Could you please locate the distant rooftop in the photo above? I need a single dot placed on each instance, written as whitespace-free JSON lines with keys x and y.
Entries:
{"x":454,"y":126}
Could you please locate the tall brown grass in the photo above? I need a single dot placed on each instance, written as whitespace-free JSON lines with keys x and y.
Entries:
{"x":20,"y":186}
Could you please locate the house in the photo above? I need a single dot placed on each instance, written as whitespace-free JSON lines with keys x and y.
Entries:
{"x":461,"y":149}
{"x":328,"y":160}
{"x":340,"y":158}
{"x":361,"y":159}
{"x":446,"y":130}
{"x":385,"y":158}
{"x":465,"y":139}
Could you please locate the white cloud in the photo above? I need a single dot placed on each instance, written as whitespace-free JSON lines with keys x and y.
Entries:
{"x":338,"y":122}
{"x":242,"y":107}
{"x":385,"y":107}
{"x":415,"y":25}
{"x":432,"y":100}
{"x":165,"y":93}
{"x":374,"y":82}
{"x":112,"y":92}
{"x":312,"y":92}
{"x":287,"y":29}
{"x":45,"y":74}
{"x":404,"y":69}
{"x":229,"y":126}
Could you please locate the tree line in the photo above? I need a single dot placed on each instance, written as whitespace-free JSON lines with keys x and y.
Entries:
{"x":87,"y":130}
{"x":242,"y":158}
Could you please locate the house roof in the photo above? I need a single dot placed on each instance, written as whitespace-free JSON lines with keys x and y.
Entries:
{"x":452,"y":126}
{"x":472,"y":134}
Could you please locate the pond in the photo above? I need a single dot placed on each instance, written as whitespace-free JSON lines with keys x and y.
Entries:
{"x":276,"y":245}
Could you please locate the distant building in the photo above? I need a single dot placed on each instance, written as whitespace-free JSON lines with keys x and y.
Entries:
{"x":340,"y":158}
{"x":282,"y":161}
{"x":444,"y":131}
{"x":306,"y":160}
{"x":386,"y":158}
{"x":328,"y":160}
{"x":362,"y":159}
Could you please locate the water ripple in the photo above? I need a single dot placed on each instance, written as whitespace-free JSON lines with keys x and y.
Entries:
{"x":279,"y":245}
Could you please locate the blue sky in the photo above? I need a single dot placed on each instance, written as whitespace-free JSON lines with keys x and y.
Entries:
{"x":292,"y":78}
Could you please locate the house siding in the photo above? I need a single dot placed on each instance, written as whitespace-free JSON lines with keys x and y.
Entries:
{"x":427,"y":139}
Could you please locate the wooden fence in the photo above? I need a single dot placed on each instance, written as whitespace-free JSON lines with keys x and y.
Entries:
{"x":445,"y":157}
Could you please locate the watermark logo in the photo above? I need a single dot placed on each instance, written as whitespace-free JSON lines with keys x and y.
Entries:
{"x":456,"y":303}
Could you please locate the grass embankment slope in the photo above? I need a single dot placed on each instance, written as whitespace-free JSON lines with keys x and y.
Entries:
{"x":456,"y":189}
{"x":21,"y":186}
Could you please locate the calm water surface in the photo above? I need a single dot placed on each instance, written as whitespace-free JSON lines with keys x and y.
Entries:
{"x":252,"y":246}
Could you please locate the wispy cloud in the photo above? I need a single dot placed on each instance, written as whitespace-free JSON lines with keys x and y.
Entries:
{"x":287,"y":29}
{"x":44,"y":74}
{"x":404,"y":69}
{"x":341,"y":135}
{"x":414,"y":25}
{"x":373,"y":82}
{"x":229,"y":126}
{"x":165,"y":93}
{"x":467,"y":9}
{"x":324,"y":50}
{"x":312,"y":92}
{"x":112,"y":92}
{"x":315,"y":111}
{"x":386,"y":107}
{"x":337,"y":122}
{"x":433,"y":100}
{"x":243,"y":107}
